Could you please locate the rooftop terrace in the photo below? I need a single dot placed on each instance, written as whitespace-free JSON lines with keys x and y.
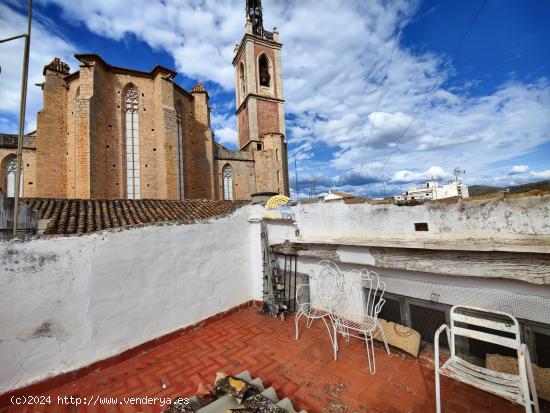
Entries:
{"x":302,"y":370}
{"x":119,"y":310}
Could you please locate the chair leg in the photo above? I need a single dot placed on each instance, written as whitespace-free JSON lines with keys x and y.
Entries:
{"x":345,"y":333}
{"x":437,"y":389}
{"x":335,"y":335}
{"x":296,"y":319}
{"x":528,"y":385}
{"x":333,"y":341}
{"x":384,"y":338}
{"x":309,"y":322}
{"x":369,"y":343}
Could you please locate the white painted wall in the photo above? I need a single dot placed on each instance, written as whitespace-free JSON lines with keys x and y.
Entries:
{"x":502,"y":219}
{"x":68,"y":302}
{"x":255,"y":252}
{"x":524,"y":219}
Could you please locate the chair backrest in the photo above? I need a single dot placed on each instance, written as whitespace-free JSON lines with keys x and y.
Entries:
{"x":484,"y":325}
{"x":373,"y":292}
{"x":364,"y":294}
{"x":325,"y":281}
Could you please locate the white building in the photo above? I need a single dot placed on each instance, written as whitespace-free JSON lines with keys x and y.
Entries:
{"x":432,"y":190}
{"x":336,"y":196}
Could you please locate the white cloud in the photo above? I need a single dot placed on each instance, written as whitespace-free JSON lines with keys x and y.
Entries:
{"x":541,"y":174}
{"x":223,"y":125}
{"x":228,"y":136}
{"x":519,"y":174}
{"x":334,"y":61}
{"x":406,"y":176}
{"x":200,"y":35}
{"x":519,"y":169}
{"x":46,"y":43}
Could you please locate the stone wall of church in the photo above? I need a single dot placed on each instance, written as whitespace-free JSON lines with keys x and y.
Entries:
{"x":201,"y":157}
{"x":269,"y":51}
{"x":51,"y":138}
{"x":78,"y":134}
{"x":73,"y":114}
{"x":101,"y":104}
{"x":185,"y":105}
{"x":242,"y":126}
{"x":268,"y":117}
{"x":166,"y":179}
{"x":29,"y":170}
{"x":244,"y":182}
{"x":81,"y":138}
{"x":271,"y":165}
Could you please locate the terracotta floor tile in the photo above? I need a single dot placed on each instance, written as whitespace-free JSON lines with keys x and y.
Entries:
{"x":302,"y":370}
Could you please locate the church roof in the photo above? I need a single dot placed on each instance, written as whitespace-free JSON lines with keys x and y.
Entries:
{"x":9,"y":140}
{"x":57,"y":65}
{"x":158,"y":69}
{"x":80,"y":216}
{"x":116,"y":69}
{"x":199,"y":88}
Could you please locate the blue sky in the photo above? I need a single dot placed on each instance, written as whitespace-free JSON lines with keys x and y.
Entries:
{"x":490,"y":113}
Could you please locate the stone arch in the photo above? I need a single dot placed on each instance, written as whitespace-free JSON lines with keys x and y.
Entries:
{"x":265,"y":71}
{"x":242,"y":79}
{"x":228,"y":182}
{"x":130,"y":105}
{"x":180,"y":147}
{"x":8,"y":166}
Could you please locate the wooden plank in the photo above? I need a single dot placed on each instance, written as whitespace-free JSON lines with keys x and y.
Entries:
{"x":532,"y":268}
{"x":483,"y":370}
{"x":483,"y":322}
{"x":491,"y":338}
{"x":497,"y":378}
{"x":506,"y":392}
{"x":527,"y":267}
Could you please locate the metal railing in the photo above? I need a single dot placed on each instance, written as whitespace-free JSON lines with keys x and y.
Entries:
{"x":260,"y":31}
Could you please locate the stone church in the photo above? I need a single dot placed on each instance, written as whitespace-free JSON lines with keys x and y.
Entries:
{"x":108,"y":132}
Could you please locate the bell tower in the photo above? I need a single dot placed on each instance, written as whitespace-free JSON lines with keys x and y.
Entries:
{"x":259,"y":88}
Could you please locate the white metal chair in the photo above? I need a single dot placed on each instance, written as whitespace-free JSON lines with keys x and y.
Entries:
{"x":355,"y":309}
{"x":322,"y":285}
{"x":486,"y":322}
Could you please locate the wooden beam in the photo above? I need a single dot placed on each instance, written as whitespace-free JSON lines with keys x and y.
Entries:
{"x":528,"y":267}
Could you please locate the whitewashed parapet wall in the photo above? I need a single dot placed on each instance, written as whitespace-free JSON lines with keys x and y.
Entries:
{"x":67,"y":302}
{"x":493,"y":253}
{"x":495,"y":238}
{"x":523,"y":219}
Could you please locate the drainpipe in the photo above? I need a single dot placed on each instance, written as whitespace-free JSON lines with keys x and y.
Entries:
{"x":22,"y":107}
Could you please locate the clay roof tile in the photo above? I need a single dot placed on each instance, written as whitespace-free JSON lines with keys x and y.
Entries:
{"x":67,"y":216}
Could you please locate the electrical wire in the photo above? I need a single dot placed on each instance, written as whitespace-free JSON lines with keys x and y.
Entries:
{"x":380,"y":98}
{"x":434,"y":88}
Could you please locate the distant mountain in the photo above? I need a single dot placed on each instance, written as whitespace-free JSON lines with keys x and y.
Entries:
{"x":515,"y":189}
{"x":482,"y":189}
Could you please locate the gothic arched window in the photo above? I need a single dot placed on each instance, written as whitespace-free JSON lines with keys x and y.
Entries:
{"x":227,"y":173}
{"x":132,"y":143}
{"x":10,"y":168}
{"x":242,"y":80}
{"x":264,"y":70}
{"x":179,"y":146}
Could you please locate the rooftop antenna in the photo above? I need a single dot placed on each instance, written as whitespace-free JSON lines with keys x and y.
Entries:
{"x":457,"y":172}
{"x":297,"y":187}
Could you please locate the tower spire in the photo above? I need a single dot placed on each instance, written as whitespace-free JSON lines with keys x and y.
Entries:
{"x":255,"y":18}
{"x":254,"y":14}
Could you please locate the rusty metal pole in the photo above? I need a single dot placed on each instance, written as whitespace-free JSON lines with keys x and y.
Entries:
{"x":22,"y":107}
